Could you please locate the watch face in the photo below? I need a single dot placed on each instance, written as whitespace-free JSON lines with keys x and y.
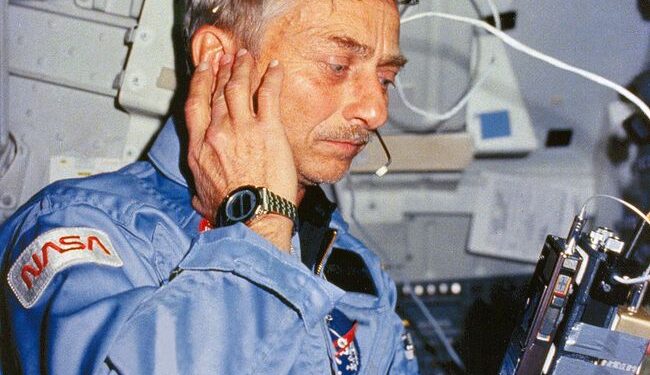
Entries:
{"x":241,"y":206}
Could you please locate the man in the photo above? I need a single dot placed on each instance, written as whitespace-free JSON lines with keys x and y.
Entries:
{"x":132,"y":272}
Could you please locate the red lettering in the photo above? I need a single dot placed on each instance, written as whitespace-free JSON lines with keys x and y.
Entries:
{"x":24,"y":273}
{"x":73,"y":243}
{"x":68,"y":243}
{"x":40,"y":263}
{"x":94,"y":240}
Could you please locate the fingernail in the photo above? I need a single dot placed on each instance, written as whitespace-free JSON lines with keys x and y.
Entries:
{"x":274,"y":63}
{"x":203,"y":66}
{"x":242,"y":52}
{"x":226,"y":59}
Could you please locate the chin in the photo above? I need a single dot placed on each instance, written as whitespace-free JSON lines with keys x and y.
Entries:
{"x":324,"y":172}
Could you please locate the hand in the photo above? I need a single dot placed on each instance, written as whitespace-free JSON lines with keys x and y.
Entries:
{"x":231,"y":145}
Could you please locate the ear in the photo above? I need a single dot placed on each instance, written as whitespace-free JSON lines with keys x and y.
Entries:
{"x":208,"y":40}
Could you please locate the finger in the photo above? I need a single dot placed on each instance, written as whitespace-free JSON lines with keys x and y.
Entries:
{"x":201,"y":208}
{"x":238,"y":89}
{"x":268,"y":95}
{"x":217,"y":62}
{"x":197,"y":105}
{"x":215,"y":69}
{"x":219,"y":106}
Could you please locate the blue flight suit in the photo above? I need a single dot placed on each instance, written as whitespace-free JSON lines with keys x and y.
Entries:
{"x":111,"y":274}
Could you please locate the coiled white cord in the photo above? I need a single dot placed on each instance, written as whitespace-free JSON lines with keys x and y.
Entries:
{"x":517,"y":45}
{"x":430,"y":116}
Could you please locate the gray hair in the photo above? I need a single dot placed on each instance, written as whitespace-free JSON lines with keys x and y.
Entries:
{"x":244,"y":19}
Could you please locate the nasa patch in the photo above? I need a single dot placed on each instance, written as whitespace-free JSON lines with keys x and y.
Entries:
{"x":54,"y":251}
{"x":343,"y":332}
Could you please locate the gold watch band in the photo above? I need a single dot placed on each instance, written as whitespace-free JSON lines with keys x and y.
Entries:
{"x":273,"y":203}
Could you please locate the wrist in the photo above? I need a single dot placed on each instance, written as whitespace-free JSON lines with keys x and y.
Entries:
{"x":270,"y":215}
{"x":277,"y":229}
{"x":248,"y":202}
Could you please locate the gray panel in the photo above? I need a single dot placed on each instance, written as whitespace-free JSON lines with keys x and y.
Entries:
{"x":64,"y":50}
{"x":55,"y":120}
{"x":113,"y":13}
{"x":4,"y":76}
{"x":388,"y":241}
{"x":572,"y":366}
{"x":602,"y":343}
{"x":431,"y":247}
{"x":126,"y":8}
{"x":14,"y":161}
{"x":439,"y":243}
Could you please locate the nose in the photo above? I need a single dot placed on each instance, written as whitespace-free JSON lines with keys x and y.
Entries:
{"x":367,"y":103}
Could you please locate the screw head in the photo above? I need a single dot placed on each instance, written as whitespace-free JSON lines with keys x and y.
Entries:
{"x":7,"y":201}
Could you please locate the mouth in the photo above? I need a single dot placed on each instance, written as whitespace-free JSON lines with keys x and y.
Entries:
{"x":344,"y":148}
{"x":343,"y":143}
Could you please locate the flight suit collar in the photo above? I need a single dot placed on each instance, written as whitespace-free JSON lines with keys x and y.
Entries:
{"x":168,"y":152}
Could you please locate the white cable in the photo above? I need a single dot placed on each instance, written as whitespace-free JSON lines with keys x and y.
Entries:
{"x":637,"y":280}
{"x":431,"y":117}
{"x":438,"y":330}
{"x":541,"y":56}
{"x":643,"y":216}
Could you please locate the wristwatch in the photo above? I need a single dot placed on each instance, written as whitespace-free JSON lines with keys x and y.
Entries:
{"x":246,"y":203}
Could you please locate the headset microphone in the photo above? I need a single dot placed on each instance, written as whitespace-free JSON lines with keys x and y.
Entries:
{"x":384,"y":168}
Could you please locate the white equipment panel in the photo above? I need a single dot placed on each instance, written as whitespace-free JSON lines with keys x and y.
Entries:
{"x":89,"y":82}
{"x":496,"y":116}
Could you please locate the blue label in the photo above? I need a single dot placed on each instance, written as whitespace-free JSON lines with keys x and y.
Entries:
{"x":495,"y":124}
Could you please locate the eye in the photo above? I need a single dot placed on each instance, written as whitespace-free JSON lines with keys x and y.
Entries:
{"x":338,"y":68}
{"x":386,"y":83}
{"x":387,"y":79}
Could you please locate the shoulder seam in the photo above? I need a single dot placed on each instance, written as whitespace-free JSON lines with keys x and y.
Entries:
{"x":38,"y":209}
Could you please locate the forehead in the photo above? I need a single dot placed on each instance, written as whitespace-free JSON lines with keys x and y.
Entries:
{"x":373,"y":23}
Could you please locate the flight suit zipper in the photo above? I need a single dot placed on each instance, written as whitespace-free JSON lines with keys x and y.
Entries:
{"x":320,"y":268}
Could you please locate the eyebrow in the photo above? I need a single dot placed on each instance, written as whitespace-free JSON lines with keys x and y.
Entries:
{"x":353,"y":45}
{"x":365,"y":51}
{"x":394,"y":60}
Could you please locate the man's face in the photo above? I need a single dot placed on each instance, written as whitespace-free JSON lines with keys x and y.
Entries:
{"x":339,"y":58}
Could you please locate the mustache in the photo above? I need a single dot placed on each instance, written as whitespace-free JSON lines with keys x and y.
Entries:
{"x":348,"y":133}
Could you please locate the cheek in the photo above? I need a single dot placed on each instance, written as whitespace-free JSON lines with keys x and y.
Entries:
{"x":306,"y":103}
